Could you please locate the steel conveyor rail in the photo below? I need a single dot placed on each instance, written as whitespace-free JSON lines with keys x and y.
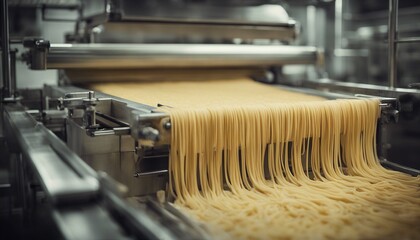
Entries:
{"x":101,"y":56}
{"x":83,"y":203}
{"x":64,"y":179}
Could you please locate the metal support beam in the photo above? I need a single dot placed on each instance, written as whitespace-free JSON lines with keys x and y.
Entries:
{"x":5,"y":50}
{"x":392,"y":42}
{"x":13,"y":84}
{"x":111,"y":56}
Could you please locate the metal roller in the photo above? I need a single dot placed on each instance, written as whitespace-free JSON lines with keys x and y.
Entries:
{"x":101,"y":56}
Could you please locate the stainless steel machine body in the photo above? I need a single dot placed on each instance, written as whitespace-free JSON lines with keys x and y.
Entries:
{"x":119,"y":21}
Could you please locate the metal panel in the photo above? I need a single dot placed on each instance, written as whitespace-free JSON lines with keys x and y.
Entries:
{"x":140,"y":185}
{"x":143,"y":32}
{"x":127,"y":144}
{"x":106,"y":162}
{"x":116,"y":156}
{"x":83,"y":144}
{"x":141,"y":21}
{"x":267,"y":15}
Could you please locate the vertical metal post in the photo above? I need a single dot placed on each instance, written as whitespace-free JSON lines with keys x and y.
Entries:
{"x":13,"y":85}
{"x":5,"y":49}
{"x":392,"y":42}
{"x":339,"y":67}
{"x":311,"y":24}
{"x":338,"y":24}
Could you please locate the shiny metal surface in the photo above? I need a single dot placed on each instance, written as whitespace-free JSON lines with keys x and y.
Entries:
{"x":115,"y":153}
{"x":36,"y":57}
{"x":364,"y":55}
{"x":157,"y":32}
{"x":408,"y":40}
{"x":116,"y":156}
{"x":151,"y":129}
{"x":90,"y":221}
{"x":84,"y":204}
{"x":338,"y":24}
{"x":51,"y":159}
{"x":175,"y":55}
{"x":205,"y":13}
{"x":392,"y":42}
{"x":119,"y":21}
{"x":119,"y":154}
{"x":358,"y":88}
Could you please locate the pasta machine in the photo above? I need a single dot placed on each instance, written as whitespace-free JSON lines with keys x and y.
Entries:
{"x":83,"y":153}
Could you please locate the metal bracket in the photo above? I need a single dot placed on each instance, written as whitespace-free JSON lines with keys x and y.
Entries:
{"x":82,"y":100}
{"x":390,"y":108}
{"x":36,"y":57}
{"x":151,"y":129}
{"x":390,"y":111}
{"x":83,"y":105}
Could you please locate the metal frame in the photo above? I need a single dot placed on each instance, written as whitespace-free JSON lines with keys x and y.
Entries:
{"x":50,"y":158}
{"x":77,"y":195}
{"x":393,"y":41}
{"x":5,"y":47}
{"x":8,"y":85}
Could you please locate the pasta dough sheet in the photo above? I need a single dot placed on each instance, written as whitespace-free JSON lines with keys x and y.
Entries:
{"x":203,"y":94}
{"x":250,"y":161}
